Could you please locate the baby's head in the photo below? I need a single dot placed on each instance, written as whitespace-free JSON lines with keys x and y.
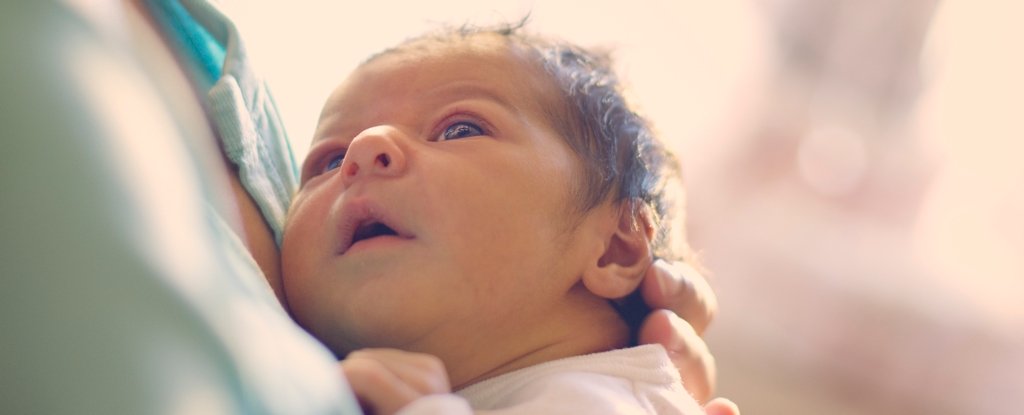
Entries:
{"x":478,"y":195}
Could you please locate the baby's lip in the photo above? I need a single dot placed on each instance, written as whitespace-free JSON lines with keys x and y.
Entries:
{"x":363,"y":219}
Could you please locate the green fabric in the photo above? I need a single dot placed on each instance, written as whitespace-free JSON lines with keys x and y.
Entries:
{"x":121,"y":289}
{"x":245,"y":116}
{"x":239,"y":103}
{"x":204,"y":54}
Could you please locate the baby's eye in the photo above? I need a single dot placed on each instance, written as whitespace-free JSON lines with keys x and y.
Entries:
{"x":334,"y":162}
{"x":459,"y":130}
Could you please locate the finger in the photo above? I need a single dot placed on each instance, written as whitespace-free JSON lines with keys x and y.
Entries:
{"x":680,"y":288}
{"x":721,"y":406}
{"x":379,"y":391}
{"x":687,"y":350}
{"x":423,"y":372}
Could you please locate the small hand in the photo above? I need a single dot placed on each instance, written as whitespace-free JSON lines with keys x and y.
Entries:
{"x":680,"y":291}
{"x":386,"y":380}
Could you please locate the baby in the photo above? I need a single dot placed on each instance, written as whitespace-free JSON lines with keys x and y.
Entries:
{"x":485,"y":197}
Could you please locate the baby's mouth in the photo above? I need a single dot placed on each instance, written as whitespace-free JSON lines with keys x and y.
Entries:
{"x":371,"y":230}
{"x":364,"y":222}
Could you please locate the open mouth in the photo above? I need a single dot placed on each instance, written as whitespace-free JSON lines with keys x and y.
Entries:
{"x":363,"y":221}
{"x":371,"y":230}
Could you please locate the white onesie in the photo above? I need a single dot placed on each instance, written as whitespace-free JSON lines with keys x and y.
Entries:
{"x":637,"y":380}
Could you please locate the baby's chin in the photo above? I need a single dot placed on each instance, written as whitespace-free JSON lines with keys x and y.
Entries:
{"x":383,"y":330}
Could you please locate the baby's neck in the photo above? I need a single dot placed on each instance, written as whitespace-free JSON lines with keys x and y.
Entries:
{"x":583,"y":324}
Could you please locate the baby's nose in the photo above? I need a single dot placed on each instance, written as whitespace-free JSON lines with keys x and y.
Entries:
{"x":374,"y":152}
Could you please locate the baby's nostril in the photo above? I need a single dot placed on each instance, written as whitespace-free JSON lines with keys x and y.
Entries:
{"x":384,"y":159}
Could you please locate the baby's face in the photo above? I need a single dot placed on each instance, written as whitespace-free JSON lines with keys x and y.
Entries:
{"x":435,"y":206}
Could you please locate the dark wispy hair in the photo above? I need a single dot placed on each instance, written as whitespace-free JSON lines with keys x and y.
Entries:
{"x":622,"y":158}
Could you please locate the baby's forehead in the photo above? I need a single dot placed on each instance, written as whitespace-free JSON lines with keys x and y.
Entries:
{"x":414,"y":71}
{"x":480,"y":45}
{"x":484,"y":54}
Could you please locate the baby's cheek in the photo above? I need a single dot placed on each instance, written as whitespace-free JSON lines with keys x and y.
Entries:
{"x":298,"y":241}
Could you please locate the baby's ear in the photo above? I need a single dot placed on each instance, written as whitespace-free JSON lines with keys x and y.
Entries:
{"x":626,"y":256}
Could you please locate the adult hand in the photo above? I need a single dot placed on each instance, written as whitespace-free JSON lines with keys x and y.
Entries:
{"x":684,"y":306}
{"x":386,"y":380}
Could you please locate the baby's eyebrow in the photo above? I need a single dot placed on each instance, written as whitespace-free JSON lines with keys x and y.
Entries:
{"x":451,"y":92}
{"x":327,"y":126}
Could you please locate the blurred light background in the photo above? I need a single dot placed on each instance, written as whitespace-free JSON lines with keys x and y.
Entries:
{"x":854,"y":167}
